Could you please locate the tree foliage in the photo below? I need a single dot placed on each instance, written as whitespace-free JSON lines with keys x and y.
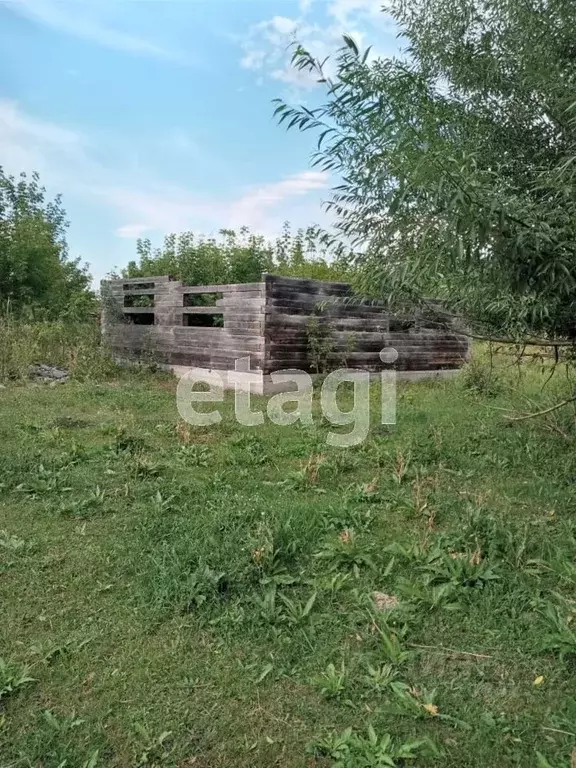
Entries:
{"x":458,"y":159}
{"x":239,"y":257}
{"x":36,"y":276}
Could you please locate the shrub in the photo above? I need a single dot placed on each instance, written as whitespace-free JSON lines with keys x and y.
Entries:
{"x":75,"y":347}
{"x":480,"y":376}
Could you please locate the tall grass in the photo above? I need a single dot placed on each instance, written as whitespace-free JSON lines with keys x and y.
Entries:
{"x":73,"y":346}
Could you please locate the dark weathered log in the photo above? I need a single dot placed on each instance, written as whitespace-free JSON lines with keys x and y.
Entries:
{"x":278,"y":285}
{"x":239,"y":296}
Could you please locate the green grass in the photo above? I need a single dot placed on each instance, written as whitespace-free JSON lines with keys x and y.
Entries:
{"x":204,"y":597}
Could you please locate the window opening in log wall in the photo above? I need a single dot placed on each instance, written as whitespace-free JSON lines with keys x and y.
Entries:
{"x":139,"y":318}
{"x":204,"y":320}
{"x":202,"y":299}
{"x":130,"y":300}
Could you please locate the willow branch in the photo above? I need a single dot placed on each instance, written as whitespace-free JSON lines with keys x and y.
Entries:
{"x":543,"y":413}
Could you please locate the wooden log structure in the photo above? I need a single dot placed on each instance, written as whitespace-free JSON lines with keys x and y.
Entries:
{"x":271,"y":322}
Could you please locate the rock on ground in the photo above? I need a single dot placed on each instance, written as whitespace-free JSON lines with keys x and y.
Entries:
{"x":49,"y":373}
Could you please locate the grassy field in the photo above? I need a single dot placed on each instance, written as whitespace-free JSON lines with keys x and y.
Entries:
{"x":205,"y":597}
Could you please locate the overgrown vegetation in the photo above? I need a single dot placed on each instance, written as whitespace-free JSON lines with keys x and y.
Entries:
{"x":177,"y":596}
{"x":76,"y":347}
{"x":241,"y":257}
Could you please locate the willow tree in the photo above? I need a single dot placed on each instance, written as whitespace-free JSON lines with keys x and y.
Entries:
{"x":457,"y":160}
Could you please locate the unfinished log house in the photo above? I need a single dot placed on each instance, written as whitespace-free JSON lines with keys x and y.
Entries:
{"x":278,"y":323}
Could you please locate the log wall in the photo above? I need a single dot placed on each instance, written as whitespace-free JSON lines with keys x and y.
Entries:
{"x":169,"y":340}
{"x":269,"y":322}
{"x":358,"y":331}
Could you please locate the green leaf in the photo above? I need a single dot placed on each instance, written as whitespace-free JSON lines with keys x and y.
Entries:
{"x":310,"y":604}
{"x":264,"y":674}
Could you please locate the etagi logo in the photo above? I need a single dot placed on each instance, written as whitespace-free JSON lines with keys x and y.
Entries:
{"x":297,"y":391}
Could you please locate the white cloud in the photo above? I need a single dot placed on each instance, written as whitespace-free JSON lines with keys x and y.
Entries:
{"x":31,"y":144}
{"x":165,"y":208}
{"x":267,"y":47}
{"x":132,"y":231}
{"x":253,"y":58}
{"x":14,"y":123}
{"x":282,"y":25}
{"x":158,"y":207}
{"x":344,"y":10}
{"x":253,"y":208}
{"x":66,"y":162}
{"x":81,"y":19}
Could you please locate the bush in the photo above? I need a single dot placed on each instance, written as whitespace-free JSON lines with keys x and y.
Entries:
{"x":75,"y":347}
{"x":480,"y":376}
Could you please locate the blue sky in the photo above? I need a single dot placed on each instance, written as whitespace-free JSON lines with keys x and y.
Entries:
{"x":155,"y":116}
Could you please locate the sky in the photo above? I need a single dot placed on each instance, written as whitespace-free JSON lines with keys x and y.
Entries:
{"x":156,"y":116}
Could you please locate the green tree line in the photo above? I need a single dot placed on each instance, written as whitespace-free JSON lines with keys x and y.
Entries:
{"x":240,"y":257}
